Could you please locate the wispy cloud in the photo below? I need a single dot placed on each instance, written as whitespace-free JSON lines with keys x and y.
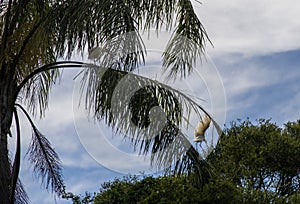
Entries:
{"x":251,"y":27}
{"x":262,"y":86}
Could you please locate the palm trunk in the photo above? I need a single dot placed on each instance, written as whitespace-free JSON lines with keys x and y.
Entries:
{"x":6,"y":114}
{"x":4,"y":170}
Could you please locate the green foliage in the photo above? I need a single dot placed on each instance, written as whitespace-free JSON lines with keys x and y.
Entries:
{"x":252,"y":163}
{"x":79,"y":199}
{"x":148,"y":190}
{"x":167,"y":189}
{"x":261,"y":159}
{"x":122,"y":104}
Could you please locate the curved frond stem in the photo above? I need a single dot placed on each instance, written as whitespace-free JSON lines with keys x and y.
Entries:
{"x":55,"y":65}
{"x":16,"y":164}
{"x":184,"y":97}
{"x":26,"y":114}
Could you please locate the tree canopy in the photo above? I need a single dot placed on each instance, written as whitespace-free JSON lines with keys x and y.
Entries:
{"x":252,"y":163}
{"x":260,"y":159}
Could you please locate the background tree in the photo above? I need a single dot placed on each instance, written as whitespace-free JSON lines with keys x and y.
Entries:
{"x":260,"y":160}
{"x":148,"y":190}
{"x":35,"y":35}
{"x":252,"y":163}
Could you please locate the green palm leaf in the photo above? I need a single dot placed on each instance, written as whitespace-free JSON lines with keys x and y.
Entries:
{"x":129,"y":104}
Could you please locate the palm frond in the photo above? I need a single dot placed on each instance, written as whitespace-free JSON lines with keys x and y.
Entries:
{"x":169,"y":149}
{"x":123,"y":52}
{"x":187,"y":43}
{"x":21,"y":196}
{"x":194,"y":165}
{"x":29,"y":45}
{"x":29,"y":37}
{"x":35,"y":93}
{"x":149,"y":113}
{"x":45,"y":161}
{"x":3,"y":7}
{"x":100,"y":22}
{"x":155,"y":14}
{"x":91,"y":24}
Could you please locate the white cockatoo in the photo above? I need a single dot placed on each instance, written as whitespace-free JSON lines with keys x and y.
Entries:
{"x":201,"y":128}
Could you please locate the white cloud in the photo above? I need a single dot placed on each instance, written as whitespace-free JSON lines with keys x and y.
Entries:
{"x":238,"y":80}
{"x":251,"y":27}
{"x":253,"y":88}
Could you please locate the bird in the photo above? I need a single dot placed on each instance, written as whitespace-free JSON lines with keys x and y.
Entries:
{"x":201,"y":128}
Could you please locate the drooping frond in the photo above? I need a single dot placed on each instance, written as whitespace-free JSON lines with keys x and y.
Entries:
{"x":122,"y":52}
{"x":149,"y":113}
{"x":45,"y":161}
{"x":168,"y":146}
{"x":192,"y":163}
{"x":172,"y":151}
{"x":187,"y":43}
{"x":36,"y":91}
{"x":92,"y":24}
{"x":21,"y":196}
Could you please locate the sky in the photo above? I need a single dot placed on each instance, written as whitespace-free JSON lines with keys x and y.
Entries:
{"x":252,"y":70}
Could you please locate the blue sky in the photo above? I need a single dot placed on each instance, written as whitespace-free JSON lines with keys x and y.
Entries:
{"x":273,"y":87}
{"x":256,"y":53}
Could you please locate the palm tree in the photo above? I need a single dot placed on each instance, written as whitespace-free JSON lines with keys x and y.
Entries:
{"x":35,"y":35}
